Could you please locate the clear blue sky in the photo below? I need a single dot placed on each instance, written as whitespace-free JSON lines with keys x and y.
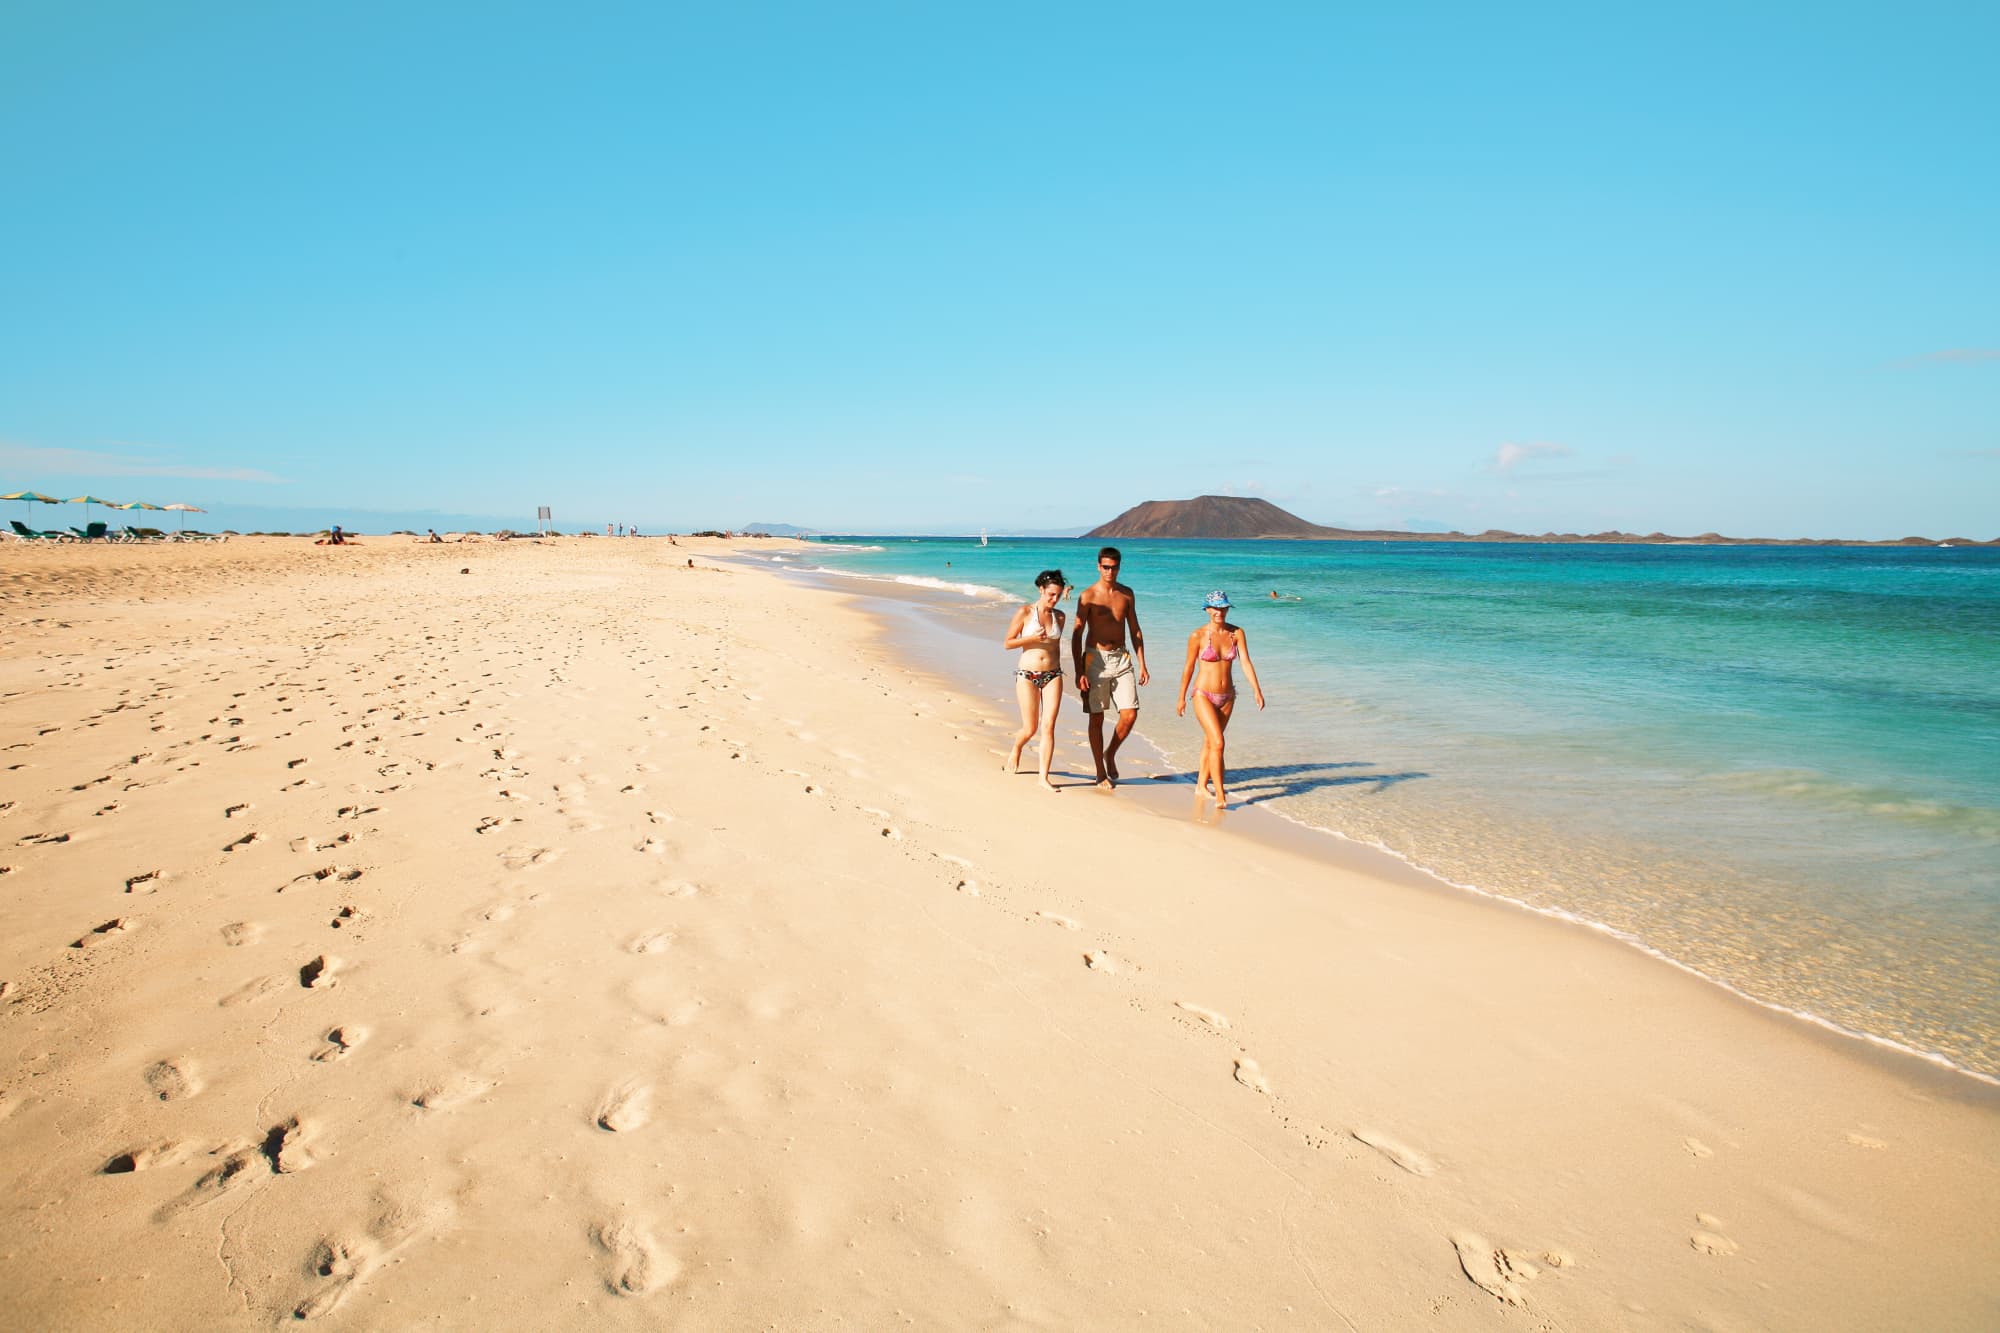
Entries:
{"x":920,"y":267}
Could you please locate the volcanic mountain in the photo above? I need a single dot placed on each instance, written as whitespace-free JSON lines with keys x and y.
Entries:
{"x":1214,"y":518}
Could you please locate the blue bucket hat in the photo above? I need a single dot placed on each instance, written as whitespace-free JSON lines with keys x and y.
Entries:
{"x":1216,"y":601}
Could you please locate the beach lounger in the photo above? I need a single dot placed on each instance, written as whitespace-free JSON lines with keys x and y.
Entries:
{"x":28,"y":534}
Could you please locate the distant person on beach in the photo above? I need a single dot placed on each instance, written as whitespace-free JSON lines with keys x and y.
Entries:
{"x":1104,"y":666}
{"x":1211,"y":651}
{"x":334,"y":538}
{"x":435,"y":538}
{"x":1036,"y":630}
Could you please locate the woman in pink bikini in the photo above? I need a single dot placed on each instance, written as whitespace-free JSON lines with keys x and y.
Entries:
{"x":1036,"y":630}
{"x":1212,"y":650}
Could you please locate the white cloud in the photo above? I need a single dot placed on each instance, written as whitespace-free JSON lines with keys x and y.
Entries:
{"x":1509,"y":456}
{"x":91,"y":463}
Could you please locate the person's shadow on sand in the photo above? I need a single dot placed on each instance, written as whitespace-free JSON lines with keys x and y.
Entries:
{"x":1262,"y":783}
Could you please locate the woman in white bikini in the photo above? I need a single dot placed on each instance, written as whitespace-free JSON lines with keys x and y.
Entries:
{"x":1212,"y":650}
{"x":1037,"y":630}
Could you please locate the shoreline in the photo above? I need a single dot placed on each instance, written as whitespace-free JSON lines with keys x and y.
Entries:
{"x":901,"y":602}
{"x":591,"y":941}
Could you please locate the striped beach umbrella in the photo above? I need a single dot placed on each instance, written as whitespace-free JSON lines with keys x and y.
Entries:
{"x":138,"y":504}
{"x":184,"y":511}
{"x":88,"y":500}
{"x":32,"y":497}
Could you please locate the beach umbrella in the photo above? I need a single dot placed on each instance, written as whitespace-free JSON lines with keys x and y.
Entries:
{"x":88,"y":500}
{"x":184,"y":511}
{"x":32,"y":497}
{"x":140,"y":504}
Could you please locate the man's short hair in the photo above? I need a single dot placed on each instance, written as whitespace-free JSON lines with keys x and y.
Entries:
{"x":1111,"y":551}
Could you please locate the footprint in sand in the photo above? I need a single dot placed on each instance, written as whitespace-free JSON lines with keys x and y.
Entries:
{"x":1209,"y":1016}
{"x":343,"y":1262}
{"x":1860,"y":1140}
{"x":1408,"y":1158}
{"x":1696,"y":1148}
{"x":451,"y":1092}
{"x":1251,"y":1076}
{"x":246,"y":840}
{"x":638,"y":1268}
{"x":111,"y":929}
{"x":251,"y":991}
{"x":172,"y":1080}
{"x":1100,"y":961}
{"x":322,"y":973}
{"x":288,"y":1146}
{"x":651,"y":847}
{"x":339,"y":1041}
{"x":521,"y":858}
{"x":169,"y":1152}
{"x":242,"y":932}
{"x":625,"y":1108}
{"x":1712,"y":1243}
{"x":1057,"y":919}
{"x":146,"y":881}
{"x":242,"y":1167}
{"x":1493,"y":1270}
{"x":230,"y":812}
{"x":658,"y":941}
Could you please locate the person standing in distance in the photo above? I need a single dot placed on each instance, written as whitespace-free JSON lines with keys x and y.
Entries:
{"x":1105,"y":667}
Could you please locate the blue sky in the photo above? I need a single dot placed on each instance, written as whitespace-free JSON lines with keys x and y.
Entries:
{"x":932,"y":267}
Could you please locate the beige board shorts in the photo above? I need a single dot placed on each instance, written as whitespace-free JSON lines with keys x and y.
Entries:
{"x":1112,"y":684}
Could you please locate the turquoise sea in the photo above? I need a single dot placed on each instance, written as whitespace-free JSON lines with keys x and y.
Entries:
{"x":1776,"y":766}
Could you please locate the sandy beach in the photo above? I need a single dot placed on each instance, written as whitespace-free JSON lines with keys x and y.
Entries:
{"x":553,"y":935}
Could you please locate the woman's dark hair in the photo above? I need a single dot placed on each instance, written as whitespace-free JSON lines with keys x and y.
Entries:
{"x":1048,"y":576}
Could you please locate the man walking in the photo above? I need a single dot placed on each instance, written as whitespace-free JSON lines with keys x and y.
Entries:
{"x":1105,"y":674}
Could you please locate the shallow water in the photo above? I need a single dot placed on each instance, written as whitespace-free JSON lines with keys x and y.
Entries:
{"x":1778,"y":766}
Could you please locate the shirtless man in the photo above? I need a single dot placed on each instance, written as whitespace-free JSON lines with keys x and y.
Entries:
{"x":1104,"y":676}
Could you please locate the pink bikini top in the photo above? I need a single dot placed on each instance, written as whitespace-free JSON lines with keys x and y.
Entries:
{"x":1208,"y":653}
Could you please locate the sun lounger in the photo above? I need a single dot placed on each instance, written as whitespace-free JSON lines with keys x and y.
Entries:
{"x":28,"y":534}
{"x":95,"y":532}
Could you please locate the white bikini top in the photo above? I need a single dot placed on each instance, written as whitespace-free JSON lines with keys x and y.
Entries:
{"x":1033,"y":628}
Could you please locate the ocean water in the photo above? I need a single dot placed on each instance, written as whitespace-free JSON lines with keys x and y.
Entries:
{"x":1776,"y":766}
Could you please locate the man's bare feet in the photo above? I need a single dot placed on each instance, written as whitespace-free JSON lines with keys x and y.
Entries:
{"x":1110,"y":771}
{"x":1051,"y":786}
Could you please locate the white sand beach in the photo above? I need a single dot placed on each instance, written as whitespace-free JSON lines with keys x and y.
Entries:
{"x":552,"y":935}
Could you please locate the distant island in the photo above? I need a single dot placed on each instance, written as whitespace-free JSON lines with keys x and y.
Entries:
{"x":1237,"y":518}
{"x":775,"y":530}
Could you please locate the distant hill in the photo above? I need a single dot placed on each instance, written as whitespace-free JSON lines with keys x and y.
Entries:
{"x":1220,"y":518}
{"x":775,"y":530}
{"x":1239,"y":518}
{"x":1209,"y":517}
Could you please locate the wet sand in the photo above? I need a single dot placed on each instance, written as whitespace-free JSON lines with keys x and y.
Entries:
{"x":584,"y":940}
